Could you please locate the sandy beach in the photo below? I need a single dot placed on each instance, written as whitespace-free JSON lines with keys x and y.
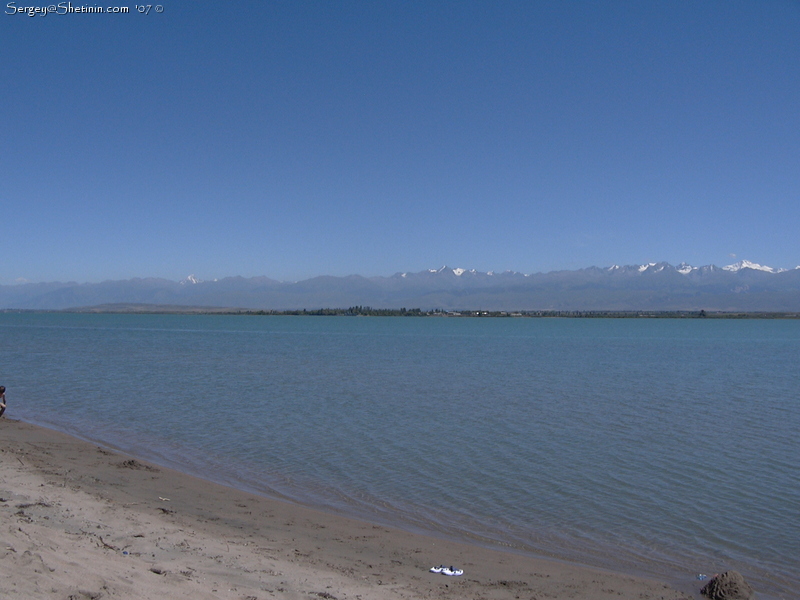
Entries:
{"x":83,"y":522}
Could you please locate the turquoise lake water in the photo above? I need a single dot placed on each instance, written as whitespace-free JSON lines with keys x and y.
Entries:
{"x":653,"y":446}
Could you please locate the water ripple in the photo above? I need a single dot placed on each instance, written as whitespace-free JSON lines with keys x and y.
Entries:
{"x":667,"y":445}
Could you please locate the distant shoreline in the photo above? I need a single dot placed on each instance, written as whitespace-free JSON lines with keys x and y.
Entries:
{"x":366,"y":311}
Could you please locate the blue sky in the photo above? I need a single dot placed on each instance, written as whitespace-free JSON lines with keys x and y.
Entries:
{"x":294,"y":139}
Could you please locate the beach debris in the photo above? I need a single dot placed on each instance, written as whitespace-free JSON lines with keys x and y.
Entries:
{"x":163,"y":499}
{"x":105,"y":545}
{"x":136,"y":465}
{"x":450,"y":571}
{"x":729,"y":585}
{"x":30,"y":504}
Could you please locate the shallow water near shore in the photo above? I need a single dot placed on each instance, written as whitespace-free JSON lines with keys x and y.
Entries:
{"x":658,"y":446}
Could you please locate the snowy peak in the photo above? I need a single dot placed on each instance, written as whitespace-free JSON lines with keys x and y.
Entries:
{"x":687,"y":269}
{"x":647,"y":268}
{"x":190,"y":280}
{"x":746,"y":264}
{"x":643,"y":268}
{"x":464,"y":273}
{"x":439,"y":270}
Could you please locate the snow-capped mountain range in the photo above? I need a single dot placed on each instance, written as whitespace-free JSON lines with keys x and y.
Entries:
{"x":743,"y":286}
{"x":683,"y":268}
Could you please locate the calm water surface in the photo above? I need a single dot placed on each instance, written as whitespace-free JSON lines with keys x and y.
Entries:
{"x":666,"y":447}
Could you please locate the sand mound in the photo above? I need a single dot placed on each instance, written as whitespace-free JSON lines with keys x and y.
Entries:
{"x":729,"y":585}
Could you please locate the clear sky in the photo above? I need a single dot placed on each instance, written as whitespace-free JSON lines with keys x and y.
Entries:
{"x":294,"y":139}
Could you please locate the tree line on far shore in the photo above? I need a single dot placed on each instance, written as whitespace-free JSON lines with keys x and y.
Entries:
{"x":368,"y":311}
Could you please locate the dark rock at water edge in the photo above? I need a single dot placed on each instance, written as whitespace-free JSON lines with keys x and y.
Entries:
{"x":729,"y":585}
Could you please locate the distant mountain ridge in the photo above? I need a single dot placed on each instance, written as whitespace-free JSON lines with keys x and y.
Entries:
{"x":743,"y":286}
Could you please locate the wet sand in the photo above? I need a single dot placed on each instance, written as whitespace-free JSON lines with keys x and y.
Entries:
{"x":83,"y":522}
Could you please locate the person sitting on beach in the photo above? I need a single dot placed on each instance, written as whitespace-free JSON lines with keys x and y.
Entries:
{"x":2,"y":399}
